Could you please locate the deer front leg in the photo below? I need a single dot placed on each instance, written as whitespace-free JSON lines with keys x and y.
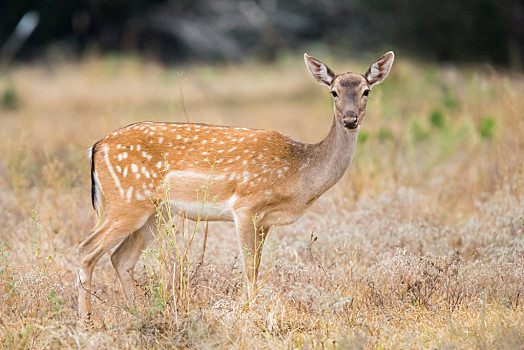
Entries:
{"x":251,"y":241}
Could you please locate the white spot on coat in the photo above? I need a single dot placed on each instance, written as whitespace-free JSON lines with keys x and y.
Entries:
{"x":115,"y":178}
{"x":129,"y":193}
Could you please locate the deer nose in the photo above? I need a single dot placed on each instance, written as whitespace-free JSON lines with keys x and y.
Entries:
{"x":350,"y":120}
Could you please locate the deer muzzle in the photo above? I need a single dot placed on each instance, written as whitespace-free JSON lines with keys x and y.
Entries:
{"x":350,"y":120}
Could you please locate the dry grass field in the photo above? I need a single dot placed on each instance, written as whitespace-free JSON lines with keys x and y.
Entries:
{"x":420,"y":245}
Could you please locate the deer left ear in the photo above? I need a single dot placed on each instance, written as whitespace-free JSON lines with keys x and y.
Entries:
{"x":319,"y":70}
{"x":379,"y":70}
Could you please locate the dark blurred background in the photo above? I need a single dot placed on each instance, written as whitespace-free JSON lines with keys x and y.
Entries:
{"x":489,"y":31}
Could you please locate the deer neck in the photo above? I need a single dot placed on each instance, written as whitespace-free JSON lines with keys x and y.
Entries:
{"x":331,"y":158}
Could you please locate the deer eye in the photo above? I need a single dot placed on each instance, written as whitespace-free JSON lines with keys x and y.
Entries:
{"x":334,"y":94}
{"x":366,"y":92}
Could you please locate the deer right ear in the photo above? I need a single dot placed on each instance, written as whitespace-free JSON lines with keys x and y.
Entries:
{"x":319,"y":70}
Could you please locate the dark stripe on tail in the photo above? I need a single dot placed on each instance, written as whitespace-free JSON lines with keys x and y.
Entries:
{"x":93,"y":186}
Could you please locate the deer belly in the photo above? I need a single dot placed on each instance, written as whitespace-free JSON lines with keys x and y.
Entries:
{"x":283,"y":216}
{"x":211,"y":211}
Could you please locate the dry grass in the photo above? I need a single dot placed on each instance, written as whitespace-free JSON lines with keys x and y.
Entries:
{"x":421,"y":245}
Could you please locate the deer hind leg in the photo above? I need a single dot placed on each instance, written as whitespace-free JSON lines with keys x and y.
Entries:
{"x":126,"y":255}
{"x":251,"y":242}
{"x":112,"y":232}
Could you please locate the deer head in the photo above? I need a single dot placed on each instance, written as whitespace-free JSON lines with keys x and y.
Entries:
{"x":350,"y":90}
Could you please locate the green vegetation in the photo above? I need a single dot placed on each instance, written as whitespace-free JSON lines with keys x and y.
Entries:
{"x":9,"y":98}
{"x":437,"y":119}
{"x":487,"y":127}
{"x":419,"y":132}
{"x":363,"y":136}
{"x":384,"y":135}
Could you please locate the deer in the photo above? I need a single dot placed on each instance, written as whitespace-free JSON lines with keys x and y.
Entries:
{"x":258,"y":173}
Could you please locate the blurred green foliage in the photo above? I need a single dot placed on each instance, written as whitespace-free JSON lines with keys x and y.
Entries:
{"x":419,"y":132}
{"x":445,"y":30}
{"x":9,"y":98}
{"x":450,"y":99}
{"x":384,"y":135}
{"x":437,"y":118}
{"x":487,"y":127}
{"x":363,"y":136}
{"x":448,"y":29}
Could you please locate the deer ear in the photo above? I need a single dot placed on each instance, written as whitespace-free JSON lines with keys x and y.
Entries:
{"x":319,"y":70}
{"x":379,"y":70}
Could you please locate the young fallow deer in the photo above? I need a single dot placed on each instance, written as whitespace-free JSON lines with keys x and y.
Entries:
{"x":258,"y":173}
